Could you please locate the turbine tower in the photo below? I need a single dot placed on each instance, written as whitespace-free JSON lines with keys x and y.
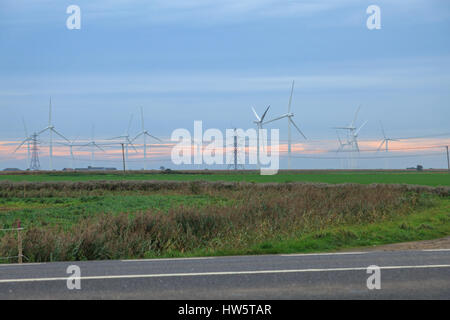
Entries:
{"x":51,"y":129}
{"x":259,"y":126}
{"x":145,"y":134}
{"x":289,"y":115}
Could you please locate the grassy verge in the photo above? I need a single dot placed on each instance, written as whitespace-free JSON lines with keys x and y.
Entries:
{"x":423,"y":224}
{"x":143,"y":220}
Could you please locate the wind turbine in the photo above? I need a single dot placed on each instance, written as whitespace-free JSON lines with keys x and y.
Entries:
{"x":93,"y":146}
{"x":289,"y":115}
{"x":72,"y":144}
{"x":259,"y":125}
{"x":126,"y":139}
{"x":353,"y":133}
{"x":341,"y":148}
{"x":145,"y":133}
{"x":385,"y":140}
{"x":51,"y":129}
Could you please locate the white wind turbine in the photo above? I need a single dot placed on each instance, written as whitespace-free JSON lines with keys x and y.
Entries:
{"x":72,"y":144}
{"x":145,"y":134}
{"x":289,"y":115}
{"x":385,"y":140}
{"x":342,"y":146}
{"x":126,"y":139}
{"x":352,"y":134}
{"x":51,"y":129}
{"x":259,"y":126}
{"x":93,"y":146}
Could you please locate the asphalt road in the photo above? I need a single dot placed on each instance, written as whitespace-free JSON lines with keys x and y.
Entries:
{"x":404,"y":275}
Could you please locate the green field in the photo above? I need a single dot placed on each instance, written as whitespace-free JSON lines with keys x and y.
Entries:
{"x":77,"y":219}
{"x":429,"y":178}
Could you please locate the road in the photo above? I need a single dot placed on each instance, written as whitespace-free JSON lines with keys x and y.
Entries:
{"x":421,"y":274}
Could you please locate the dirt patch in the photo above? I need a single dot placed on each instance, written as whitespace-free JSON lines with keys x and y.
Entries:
{"x":443,"y":243}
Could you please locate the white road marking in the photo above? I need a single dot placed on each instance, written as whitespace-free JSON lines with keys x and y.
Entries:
{"x":320,"y":254}
{"x":167,"y":259}
{"x":166,"y":275}
{"x":436,"y":250}
{"x":19,"y":264}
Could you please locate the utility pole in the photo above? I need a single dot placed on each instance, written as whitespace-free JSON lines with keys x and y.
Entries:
{"x":123,"y":158}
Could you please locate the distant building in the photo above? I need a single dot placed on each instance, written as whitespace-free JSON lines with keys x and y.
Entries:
{"x":12,"y":169}
{"x":89,"y":168}
{"x":418,"y":168}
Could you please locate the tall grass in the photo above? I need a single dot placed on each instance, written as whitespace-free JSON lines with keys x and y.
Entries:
{"x":254,"y":213}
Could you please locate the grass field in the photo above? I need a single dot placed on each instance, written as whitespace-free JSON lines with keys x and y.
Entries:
{"x":70,"y":220}
{"x":429,"y":178}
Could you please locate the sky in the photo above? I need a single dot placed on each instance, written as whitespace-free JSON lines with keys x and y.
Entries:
{"x":212,"y":60}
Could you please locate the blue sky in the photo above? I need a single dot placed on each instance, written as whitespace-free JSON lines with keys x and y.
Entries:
{"x":186,"y":60}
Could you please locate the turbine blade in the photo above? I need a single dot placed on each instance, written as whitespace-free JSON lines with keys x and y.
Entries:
{"x":264,"y":114}
{"x":382,"y":130}
{"x":381,"y":145}
{"x":140,"y":134}
{"x":96,"y":145}
{"x":290,"y":97}
{"x":21,"y":144}
{"x":356,"y":116}
{"x":356,"y":145}
{"x":142,"y":118}
{"x":50,"y":113}
{"x":256,"y":115}
{"x":42,"y":131}
{"x":275,"y":119}
{"x":115,"y":138}
{"x":132,"y":145}
{"x":59,"y":134}
{"x":148,"y":134}
{"x":129,"y":125}
{"x":298,"y":129}
{"x":357,"y":131}
{"x":25,"y":127}
{"x":339,"y":138}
